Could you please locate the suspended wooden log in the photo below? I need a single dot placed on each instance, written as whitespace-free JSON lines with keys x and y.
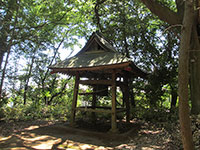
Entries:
{"x":100,"y":82}
{"x":100,"y":109}
{"x":102,"y":90}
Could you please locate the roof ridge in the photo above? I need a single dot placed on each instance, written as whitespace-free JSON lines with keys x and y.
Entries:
{"x":100,"y":39}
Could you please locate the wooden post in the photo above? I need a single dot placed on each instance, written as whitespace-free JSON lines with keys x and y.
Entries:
{"x":94,"y":99}
{"x":113,"y":114}
{"x":74,"y":102}
{"x":123,"y":95}
{"x":126,"y":98}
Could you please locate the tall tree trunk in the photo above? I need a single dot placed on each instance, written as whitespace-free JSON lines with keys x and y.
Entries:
{"x":5,"y":42}
{"x":7,"y":57}
{"x":47,"y":72}
{"x":132,"y":97}
{"x":195,"y":75}
{"x":175,"y":18}
{"x":27,"y":79}
{"x":183,"y":78}
{"x":174,"y":98}
{"x":1,"y":56}
{"x":195,"y":65}
{"x":6,"y":28}
{"x":3,"y":73}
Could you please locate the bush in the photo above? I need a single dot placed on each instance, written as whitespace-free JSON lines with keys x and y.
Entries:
{"x":30,"y":112}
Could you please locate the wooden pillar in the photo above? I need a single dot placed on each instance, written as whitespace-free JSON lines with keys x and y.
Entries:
{"x":94,"y":99}
{"x":113,"y":113}
{"x":74,"y":102}
{"x":123,"y":95}
{"x":126,"y":98}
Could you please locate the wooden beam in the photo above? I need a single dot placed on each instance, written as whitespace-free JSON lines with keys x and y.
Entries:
{"x":100,"y":82}
{"x":74,"y":102}
{"x":113,"y":114}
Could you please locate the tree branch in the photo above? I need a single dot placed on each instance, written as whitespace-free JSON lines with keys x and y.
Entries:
{"x":97,"y":15}
{"x":164,"y":13}
{"x":60,"y":92}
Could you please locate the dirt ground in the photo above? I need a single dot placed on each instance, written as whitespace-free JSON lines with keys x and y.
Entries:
{"x":46,"y":135}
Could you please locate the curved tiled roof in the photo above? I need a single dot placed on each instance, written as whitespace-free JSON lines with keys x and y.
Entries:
{"x":96,"y":55}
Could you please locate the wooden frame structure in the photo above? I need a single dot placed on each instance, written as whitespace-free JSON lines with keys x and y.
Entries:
{"x":114,"y":110}
{"x":100,"y":64}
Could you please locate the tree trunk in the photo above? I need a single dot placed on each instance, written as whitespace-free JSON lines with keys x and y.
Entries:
{"x":28,"y":78}
{"x":5,"y":44}
{"x":174,"y":98}
{"x":174,"y":18}
{"x":132,"y":97}
{"x":195,"y":72}
{"x":47,"y":71}
{"x":1,"y":56}
{"x":185,"y":122}
{"x":58,"y":93}
{"x":3,"y":73}
{"x":195,"y":85}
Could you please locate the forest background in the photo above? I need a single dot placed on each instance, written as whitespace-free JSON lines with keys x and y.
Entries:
{"x":33,"y":32}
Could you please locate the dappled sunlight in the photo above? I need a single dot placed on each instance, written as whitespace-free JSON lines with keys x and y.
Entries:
{"x":150,"y":132}
{"x":69,"y":144}
{"x":141,"y":147}
{"x":126,"y":146}
{"x":32,"y":139}
{"x":41,"y":142}
{"x":4,"y":138}
{"x":11,"y":141}
{"x":59,"y":136}
{"x":18,"y":148}
{"x":38,"y":141}
{"x":47,"y":144}
{"x":153,"y":147}
{"x":31,"y":127}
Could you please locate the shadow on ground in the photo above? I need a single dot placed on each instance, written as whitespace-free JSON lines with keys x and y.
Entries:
{"x":60,"y":136}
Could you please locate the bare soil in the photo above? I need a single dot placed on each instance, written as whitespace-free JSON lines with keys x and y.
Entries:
{"x":49,"y":135}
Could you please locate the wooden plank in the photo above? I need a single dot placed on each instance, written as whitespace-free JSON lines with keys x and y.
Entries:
{"x":74,"y":102}
{"x":113,"y":114}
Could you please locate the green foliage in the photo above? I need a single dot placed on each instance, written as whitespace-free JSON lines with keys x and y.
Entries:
{"x":155,"y":115}
{"x":140,"y":35}
{"x":32,"y":112}
{"x":42,"y":27}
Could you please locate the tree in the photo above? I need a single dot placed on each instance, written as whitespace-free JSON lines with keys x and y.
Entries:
{"x":175,"y":18}
{"x":189,"y":40}
{"x":141,"y":36}
{"x":26,"y":24}
{"x":183,"y":77}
